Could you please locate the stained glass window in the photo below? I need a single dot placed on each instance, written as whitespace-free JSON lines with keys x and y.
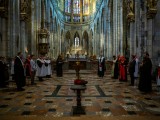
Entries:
{"x":76,"y":6}
{"x":73,"y":8}
{"x":68,"y":6}
{"x":85,"y":7}
{"x":76,"y":18}
{"x":68,"y":18}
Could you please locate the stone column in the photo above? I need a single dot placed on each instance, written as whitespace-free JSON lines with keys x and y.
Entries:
{"x":138,"y":29}
{"x":33,"y":29}
{"x":151,"y":12}
{"x":132,"y":28}
{"x":121,"y":29}
{"x":115,"y":27}
{"x":150,"y":27}
{"x":9,"y":28}
{"x":118,"y":29}
{"x":98,"y":39}
{"x":95,"y":39}
{"x":13,"y":33}
{"x":37,"y":22}
{"x":22,"y":37}
{"x":17,"y":15}
{"x":131,"y":18}
{"x":3,"y":39}
{"x":110,"y":31}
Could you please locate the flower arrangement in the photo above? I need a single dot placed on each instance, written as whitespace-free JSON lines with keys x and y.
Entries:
{"x":80,"y":82}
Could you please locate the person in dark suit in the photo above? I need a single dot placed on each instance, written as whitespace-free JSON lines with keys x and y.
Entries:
{"x":131,"y":69}
{"x":19,"y":72}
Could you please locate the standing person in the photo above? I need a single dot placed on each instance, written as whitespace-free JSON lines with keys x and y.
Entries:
{"x":48,"y":67}
{"x":2,"y":73}
{"x":33,"y":69}
{"x":115,"y":68}
{"x":158,"y":78}
{"x":122,"y":69}
{"x":59,"y":63}
{"x":145,"y":82}
{"x":12,"y":68}
{"x":19,"y":72}
{"x":131,"y":69}
{"x":136,"y":72}
{"x":28,"y":66}
{"x":40,"y":73}
{"x":101,"y":66}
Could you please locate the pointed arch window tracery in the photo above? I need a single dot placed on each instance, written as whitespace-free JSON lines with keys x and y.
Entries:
{"x":77,"y":10}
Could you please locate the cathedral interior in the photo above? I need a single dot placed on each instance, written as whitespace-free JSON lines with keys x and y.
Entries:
{"x":83,"y":28}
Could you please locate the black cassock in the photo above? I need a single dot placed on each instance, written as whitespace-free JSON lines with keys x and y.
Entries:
{"x":4,"y":75}
{"x":101,"y":67}
{"x":59,"y":69}
{"x":116,"y":70}
{"x":145,"y":81}
{"x":19,"y":73}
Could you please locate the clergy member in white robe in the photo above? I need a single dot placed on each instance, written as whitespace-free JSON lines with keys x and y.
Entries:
{"x":48,"y":68}
{"x":40,"y":73}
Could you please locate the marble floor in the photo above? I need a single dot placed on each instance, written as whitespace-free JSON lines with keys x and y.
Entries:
{"x":53,"y":97}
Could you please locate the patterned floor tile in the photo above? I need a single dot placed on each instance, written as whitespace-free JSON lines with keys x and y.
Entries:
{"x":106,"y":97}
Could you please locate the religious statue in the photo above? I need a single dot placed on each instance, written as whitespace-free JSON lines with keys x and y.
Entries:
{"x":24,"y":6}
{"x":130,"y":8}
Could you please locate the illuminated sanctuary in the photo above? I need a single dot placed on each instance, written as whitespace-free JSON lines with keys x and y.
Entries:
{"x":80,"y":30}
{"x":111,"y":27}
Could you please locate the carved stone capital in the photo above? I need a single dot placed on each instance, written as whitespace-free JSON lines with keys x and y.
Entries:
{"x":130,"y":17}
{"x":151,"y":13}
{"x":24,"y":6}
{"x":151,"y":8}
{"x":3,"y":8}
